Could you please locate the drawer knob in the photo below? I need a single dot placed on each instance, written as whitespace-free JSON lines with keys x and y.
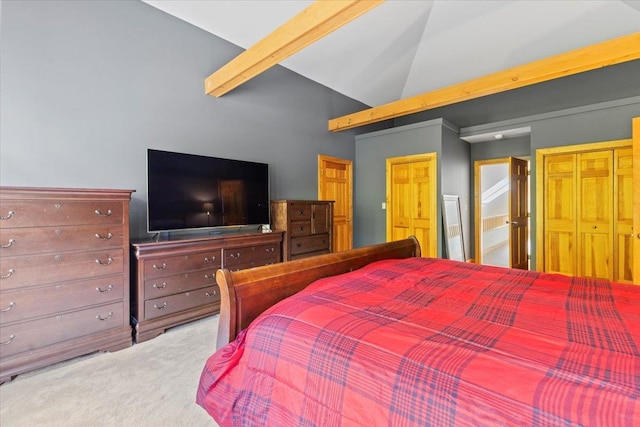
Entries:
{"x":160,"y":307}
{"x":101,"y":237}
{"x":11,"y":338}
{"x":207,"y":259}
{"x":99,"y":212}
{"x":301,"y":211}
{"x":105,"y":263}
{"x":103,"y":291}
{"x":301,"y":228}
{"x":212,"y":294}
{"x":12,"y":241}
{"x":109,"y":316}
{"x":11,"y":305}
{"x":9,"y":215}
{"x":164,"y":285}
{"x":161,"y":267}
{"x":9,"y":274}
{"x":298,"y":245}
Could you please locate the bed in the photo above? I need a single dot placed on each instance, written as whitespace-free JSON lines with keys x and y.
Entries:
{"x":380,"y":336}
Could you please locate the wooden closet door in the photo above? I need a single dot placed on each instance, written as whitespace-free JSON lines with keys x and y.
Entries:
{"x":411,"y":201}
{"x":623,"y":236}
{"x":595,"y":220}
{"x":423,"y":206}
{"x":560,"y":214}
{"x":400,"y":202}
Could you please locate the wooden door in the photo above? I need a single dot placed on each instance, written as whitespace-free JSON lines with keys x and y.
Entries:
{"x":586,"y":209}
{"x":636,"y":200}
{"x":623,"y":212}
{"x":519,"y":213}
{"x":412,"y":201}
{"x":335,"y":182}
{"x":560,"y":214}
{"x":502,"y":200}
{"x":595,"y":214}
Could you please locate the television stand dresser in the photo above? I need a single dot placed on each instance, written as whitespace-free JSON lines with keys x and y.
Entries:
{"x":174,"y":281}
{"x":64,"y":275}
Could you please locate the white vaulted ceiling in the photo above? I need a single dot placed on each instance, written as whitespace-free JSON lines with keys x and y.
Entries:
{"x":408,"y":47}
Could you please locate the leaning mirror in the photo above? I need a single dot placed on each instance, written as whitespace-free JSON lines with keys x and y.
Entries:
{"x":454,"y":241}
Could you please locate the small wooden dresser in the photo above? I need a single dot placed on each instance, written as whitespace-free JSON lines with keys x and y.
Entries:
{"x":175,"y":280}
{"x":308,"y":227}
{"x":64,"y":275}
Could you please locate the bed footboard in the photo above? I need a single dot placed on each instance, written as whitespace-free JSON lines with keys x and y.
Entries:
{"x":245,"y":294}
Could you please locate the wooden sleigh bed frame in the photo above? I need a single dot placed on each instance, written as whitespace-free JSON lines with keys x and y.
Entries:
{"x":245,"y":294}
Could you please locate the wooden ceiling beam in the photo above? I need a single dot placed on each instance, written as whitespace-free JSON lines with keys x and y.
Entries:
{"x":611,"y":52}
{"x":316,"y":21}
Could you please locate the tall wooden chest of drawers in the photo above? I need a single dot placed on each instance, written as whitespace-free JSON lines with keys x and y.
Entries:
{"x":308,"y":227}
{"x":175,"y":280}
{"x":64,"y":275}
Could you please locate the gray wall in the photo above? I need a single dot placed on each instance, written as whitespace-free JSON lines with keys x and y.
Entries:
{"x":591,"y":123}
{"x":601,"y":122}
{"x":88,"y":86}
{"x":372,"y":151}
{"x":512,"y":147}
{"x":455,"y":176}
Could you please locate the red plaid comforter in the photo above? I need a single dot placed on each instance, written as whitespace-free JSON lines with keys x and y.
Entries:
{"x":420,"y":342}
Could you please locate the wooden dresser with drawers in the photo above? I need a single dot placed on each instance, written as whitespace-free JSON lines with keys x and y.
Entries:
{"x":174,"y":281}
{"x":64,"y":275}
{"x":308,"y":227}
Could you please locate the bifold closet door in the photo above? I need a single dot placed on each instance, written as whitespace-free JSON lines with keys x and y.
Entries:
{"x":412,"y":201}
{"x":595,"y":214}
{"x":588,"y":214}
{"x":560,"y":214}
{"x":623,"y":235}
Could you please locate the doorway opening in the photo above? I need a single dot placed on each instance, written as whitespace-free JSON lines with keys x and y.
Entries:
{"x":502,"y":212}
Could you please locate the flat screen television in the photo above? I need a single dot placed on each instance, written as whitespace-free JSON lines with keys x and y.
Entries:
{"x":190,"y":192}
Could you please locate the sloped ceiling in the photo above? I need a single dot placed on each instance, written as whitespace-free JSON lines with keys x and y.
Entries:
{"x":408,"y":47}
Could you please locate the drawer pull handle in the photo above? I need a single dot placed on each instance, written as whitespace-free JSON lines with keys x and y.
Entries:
{"x":206,"y":276}
{"x":12,"y":241}
{"x":162,"y":267}
{"x":298,"y":245}
{"x":107,"y":262}
{"x":109,"y":316}
{"x":160,"y":307}
{"x":11,"y":338}
{"x":103,"y":291}
{"x":9,"y":274}
{"x":164,"y":285}
{"x":107,"y":237}
{"x":207,"y":259}
{"x":301,"y":228}
{"x":236,"y":255}
{"x":99,"y":212}
{"x":270,"y":250}
{"x":301,"y":212}
{"x":11,"y":305}
{"x":9,"y":215}
{"x":212,"y":294}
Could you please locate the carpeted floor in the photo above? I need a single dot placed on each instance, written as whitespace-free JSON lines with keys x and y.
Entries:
{"x":149,"y":384}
